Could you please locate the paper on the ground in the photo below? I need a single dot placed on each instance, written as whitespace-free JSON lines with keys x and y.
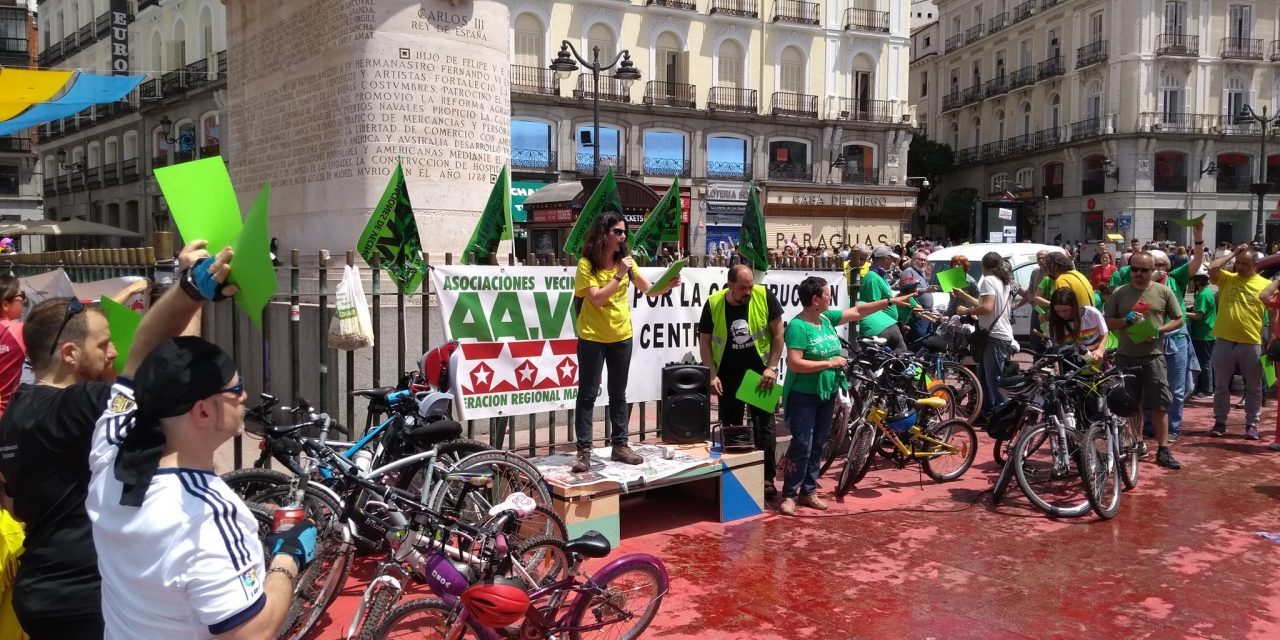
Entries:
{"x":672,"y":271}
{"x":750,"y":393}
{"x":1143,"y":331}
{"x":953,"y":278}
{"x":1268,"y":370}
{"x":556,"y":468}
{"x":202,"y":201}
{"x":1193,"y":222}
{"x":122,"y":322}
{"x":1274,"y":537}
{"x":251,"y":269}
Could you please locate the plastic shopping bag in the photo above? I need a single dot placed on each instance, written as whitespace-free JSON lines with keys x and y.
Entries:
{"x":351,"y":327}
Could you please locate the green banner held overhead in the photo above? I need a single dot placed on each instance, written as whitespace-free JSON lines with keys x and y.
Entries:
{"x":494,"y":224}
{"x":392,"y":237}
{"x":123,"y":323}
{"x":605,"y":197}
{"x":202,"y":201}
{"x":753,"y":244}
{"x":664,"y":216}
{"x":251,"y":268}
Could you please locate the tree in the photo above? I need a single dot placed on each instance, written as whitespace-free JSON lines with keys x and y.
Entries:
{"x":930,"y":160}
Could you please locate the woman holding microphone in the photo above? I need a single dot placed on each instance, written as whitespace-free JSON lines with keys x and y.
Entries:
{"x":603,"y":310}
{"x":813,"y":359}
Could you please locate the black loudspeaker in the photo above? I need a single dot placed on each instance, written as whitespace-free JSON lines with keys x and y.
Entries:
{"x":686,"y":404}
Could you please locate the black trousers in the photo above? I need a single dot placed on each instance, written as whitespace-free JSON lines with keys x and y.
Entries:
{"x":762,"y":423}
{"x":64,"y":628}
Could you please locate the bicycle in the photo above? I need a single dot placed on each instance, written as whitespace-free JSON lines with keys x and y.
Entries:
{"x":943,"y":351}
{"x":1109,"y":455}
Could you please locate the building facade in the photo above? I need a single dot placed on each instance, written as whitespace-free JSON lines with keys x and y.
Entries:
{"x":808,"y":100}
{"x":1108,"y":116}
{"x":99,"y":165}
{"x":20,"y":197}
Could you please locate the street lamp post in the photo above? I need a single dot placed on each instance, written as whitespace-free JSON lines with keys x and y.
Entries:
{"x":1260,"y":188}
{"x":564,"y":65}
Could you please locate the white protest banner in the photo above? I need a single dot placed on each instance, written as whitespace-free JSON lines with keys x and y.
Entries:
{"x":518,"y":350}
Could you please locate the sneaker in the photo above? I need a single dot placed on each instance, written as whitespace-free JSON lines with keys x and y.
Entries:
{"x":1165,"y":459}
{"x":813,"y":502}
{"x":1274,"y":446}
{"x":583,"y":461}
{"x":1240,"y":404}
{"x":1141,"y":449}
{"x":1251,"y":432}
{"x":1218,"y":430}
{"x":1174,"y":437}
{"x":788,"y":507}
{"x":622,"y":453}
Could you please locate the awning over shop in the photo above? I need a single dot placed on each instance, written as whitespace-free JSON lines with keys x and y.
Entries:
{"x":28,"y":95}
{"x":63,"y":228}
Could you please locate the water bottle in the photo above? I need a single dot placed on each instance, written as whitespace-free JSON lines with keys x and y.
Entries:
{"x":363,"y":460}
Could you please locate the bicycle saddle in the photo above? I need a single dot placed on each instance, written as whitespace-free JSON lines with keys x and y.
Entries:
{"x":372,"y":394}
{"x":427,"y":436}
{"x":591,"y":544}
{"x":1014,"y":382}
{"x":932,"y":402}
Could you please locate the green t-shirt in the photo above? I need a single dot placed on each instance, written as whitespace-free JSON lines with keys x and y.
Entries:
{"x":1162,"y":306}
{"x":1207,"y":304}
{"x":875,"y":288}
{"x":1179,"y":278}
{"x":819,"y":342}
{"x":1045,"y":289}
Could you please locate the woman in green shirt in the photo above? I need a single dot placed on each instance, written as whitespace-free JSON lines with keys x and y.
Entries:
{"x":813,"y":363}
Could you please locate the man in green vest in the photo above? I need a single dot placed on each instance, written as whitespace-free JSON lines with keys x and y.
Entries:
{"x":741,"y":331}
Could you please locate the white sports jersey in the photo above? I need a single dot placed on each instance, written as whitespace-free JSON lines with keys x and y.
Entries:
{"x":187,"y":563}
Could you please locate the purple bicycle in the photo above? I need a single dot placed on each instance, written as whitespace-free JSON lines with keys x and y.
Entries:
{"x":546,"y":595}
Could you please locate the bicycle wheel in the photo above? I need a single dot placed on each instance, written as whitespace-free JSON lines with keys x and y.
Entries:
{"x":542,"y":561}
{"x":968,"y":390}
{"x":628,"y":596}
{"x":1047,"y":472}
{"x":949,"y":411}
{"x":448,"y":454}
{"x":543,"y":522}
{"x":265,"y":518}
{"x":838,"y":442}
{"x":511,"y":473}
{"x":375,"y":612}
{"x":1003,"y":480}
{"x":426,"y":618}
{"x":944,"y":465}
{"x":855,"y":460}
{"x":1100,"y":470}
{"x":1128,"y":454}
{"x":248,"y":483}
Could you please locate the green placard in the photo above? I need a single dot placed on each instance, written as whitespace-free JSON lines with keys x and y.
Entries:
{"x":1268,"y":370}
{"x":251,"y":269}
{"x":202,"y":201}
{"x":1193,"y":222}
{"x":953,"y":278}
{"x":750,"y":393}
{"x":1143,"y":331}
{"x":123,"y":323}
{"x":672,"y":272}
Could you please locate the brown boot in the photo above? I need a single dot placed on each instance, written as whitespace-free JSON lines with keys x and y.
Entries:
{"x":813,"y":502}
{"x":583,"y":461}
{"x":622,"y":453}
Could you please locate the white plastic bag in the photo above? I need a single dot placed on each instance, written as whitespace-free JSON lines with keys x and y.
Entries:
{"x":351,"y":327}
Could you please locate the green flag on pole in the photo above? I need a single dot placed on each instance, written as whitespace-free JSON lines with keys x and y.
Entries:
{"x":494,"y":224}
{"x":665,"y":216}
{"x":392,"y":236}
{"x":605,"y":197}
{"x":753,"y":244}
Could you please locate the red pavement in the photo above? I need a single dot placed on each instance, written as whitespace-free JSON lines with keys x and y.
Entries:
{"x":903,"y":557}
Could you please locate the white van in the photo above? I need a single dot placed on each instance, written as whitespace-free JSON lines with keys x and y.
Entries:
{"x":1021,"y":257}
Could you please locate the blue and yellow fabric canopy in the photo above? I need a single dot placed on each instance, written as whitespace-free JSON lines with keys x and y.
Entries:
{"x":27,"y":96}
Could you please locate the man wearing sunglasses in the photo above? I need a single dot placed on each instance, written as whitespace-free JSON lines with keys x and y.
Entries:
{"x":45,"y":435}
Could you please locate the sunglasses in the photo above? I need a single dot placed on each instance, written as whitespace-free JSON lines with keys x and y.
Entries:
{"x":618,"y":232}
{"x":237,"y":389}
{"x":1140,"y":270}
{"x":74,"y":306}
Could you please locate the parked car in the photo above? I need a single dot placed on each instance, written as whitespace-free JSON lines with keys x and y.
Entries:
{"x":1021,"y":257}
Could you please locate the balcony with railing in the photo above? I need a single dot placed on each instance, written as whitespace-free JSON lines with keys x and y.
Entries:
{"x":86,"y":35}
{"x":1050,"y":68}
{"x":856,"y":19}
{"x":736,"y":171}
{"x":735,"y":8}
{"x":686,"y":5}
{"x":197,"y":73}
{"x":971,"y":95}
{"x":1177,"y":44}
{"x":1017,"y":145}
{"x":1024,"y":10}
{"x":791,"y":171}
{"x":537,"y":160}
{"x":1169,"y":122}
{"x":1045,"y":4}
{"x":995,"y":150}
{"x":173,"y":82}
{"x":1235,"y":125}
{"x":732,"y":99}
{"x":1241,"y":49}
{"x":667,"y":167}
{"x":143,"y":4}
{"x":953,"y":43}
{"x":586,"y":160}
{"x":51,"y":55}
{"x":1047,"y":138}
{"x":864,"y":110}
{"x":969,"y":155}
{"x":998,"y":22}
{"x":129,"y":170}
{"x":111,"y":173}
{"x":1023,"y":77}
{"x":50,"y":186}
{"x":211,"y":150}
{"x":159,"y":161}
{"x":974,"y":33}
{"x":797,"y":12}
{"x":856,"y":175}
{"x":70,"y":45}
{"x":93,"y":177}
{"x":13,"y":52}
{"x":996,"y":86}
{"x":1275,"y":50}
{"x":796,"y":105}
{"x":1085,"y":129}
{"x":534,"y":80}
{"x":611,"y":88}
{"x":15,"y":144}
{"x":951,"y":101}
{"x":1091,"y":54}
{"x":670,"y":94}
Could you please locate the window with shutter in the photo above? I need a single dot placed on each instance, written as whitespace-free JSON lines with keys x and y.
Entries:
{"x":791,"y":76}
{"x":729,"y":65}
{"x":1240,"y":21}
{"x":528,"y":42}
{"x":667,"y":59}
{"x":600,"y":36}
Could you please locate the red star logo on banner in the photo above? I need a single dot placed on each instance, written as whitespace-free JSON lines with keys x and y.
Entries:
{"x":481,"y":377}
{"x":568,"y":370}
{"x":526,"y":373}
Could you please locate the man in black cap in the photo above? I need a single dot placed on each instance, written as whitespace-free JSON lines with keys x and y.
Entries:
{"x":178,"y":550}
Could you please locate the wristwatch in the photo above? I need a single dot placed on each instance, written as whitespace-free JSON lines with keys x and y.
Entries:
{"x":617,"y":277}
{"x":186,"y":280}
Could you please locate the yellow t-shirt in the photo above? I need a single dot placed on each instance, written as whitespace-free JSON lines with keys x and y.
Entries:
{"x":1078,"y":284}
{"x":1240,"y":312}
{"x":10,"y":548}
{"x":608,"y":323}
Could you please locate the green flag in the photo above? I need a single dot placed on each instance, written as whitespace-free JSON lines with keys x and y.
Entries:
{"x":494,"y":224}
{"x":753,"y":244}
{"x":604,"y":197}
{"x":392,"y":236}
{"x":665,"y":216}
{"x":123,"y":322}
